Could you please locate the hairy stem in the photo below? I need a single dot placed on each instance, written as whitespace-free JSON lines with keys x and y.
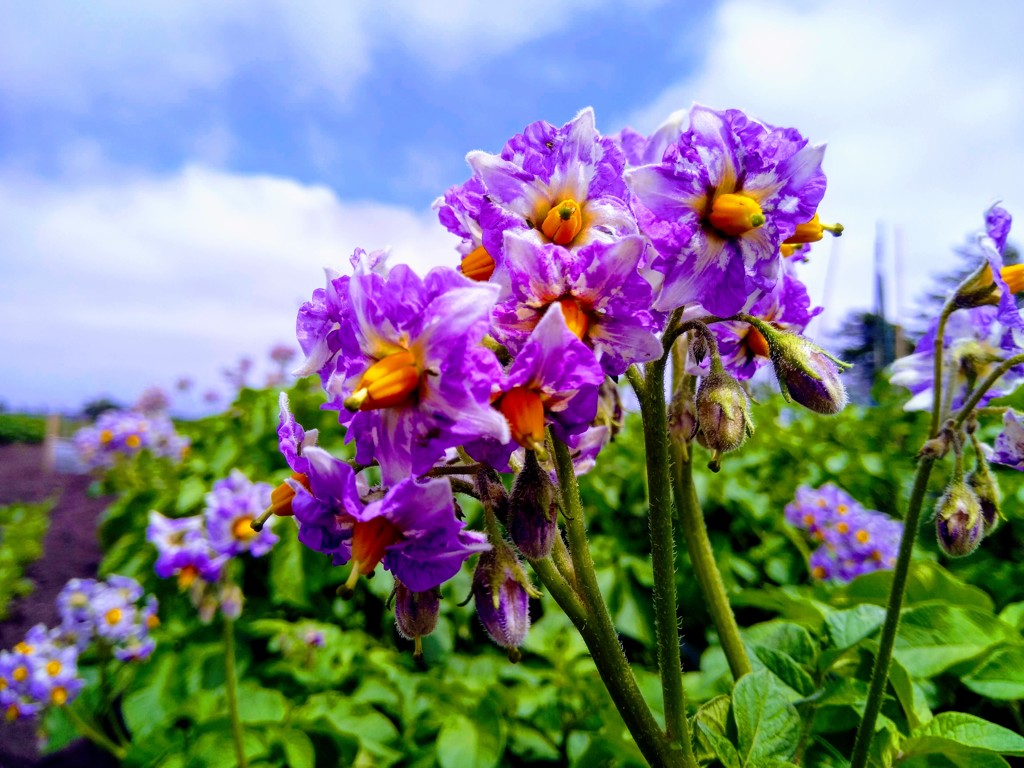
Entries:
{"x":940,"y":342}
{"x":880,"y":671}
{"x":659,"y":491}
{"x":231,"y":684}
{"x":599,"y":633}
{"x":695,"y":533}
{"x":989,"y":382}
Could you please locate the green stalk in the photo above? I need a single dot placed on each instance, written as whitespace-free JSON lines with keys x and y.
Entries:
{"x":940,"y":340}
{"x":986,"y":385}
{"x":599,"y":633}
{"x":231,"y":682}
{"x":883,"y":660}
{"x":695,"y":534}
{"x":94,"y":735}
{"x":659,"y":491}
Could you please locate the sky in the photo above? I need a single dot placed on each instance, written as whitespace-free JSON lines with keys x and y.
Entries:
{"x":174,"y":175}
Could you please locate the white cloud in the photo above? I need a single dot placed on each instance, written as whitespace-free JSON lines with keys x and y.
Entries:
{"x":921,"y":111}
{"x":110,"y":287}
{"x":123,"y":56}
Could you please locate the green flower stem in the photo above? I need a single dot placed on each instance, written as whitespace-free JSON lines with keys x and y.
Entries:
{"x":599,"y":633}
{"x":880,"y":671}
{"x":659,"y":491}
{"x":940,"y":341}
{"x":231,"y":682}
{"x":94,"y":735}
{"x":567,"y":600}
{"x":985,"y":386}
{"x":695,"y":533}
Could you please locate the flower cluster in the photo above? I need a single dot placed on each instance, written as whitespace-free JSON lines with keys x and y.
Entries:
{"x":122,"y":434}
{"x":197,"y":549}
{"x":575,"y":250}
{"x":852,"y":540}
{"x":41,"y":671}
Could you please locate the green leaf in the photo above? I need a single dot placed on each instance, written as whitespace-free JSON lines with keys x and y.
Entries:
{"x":710,"y":725}
{"x":470,"y":743}
{"x":912,"y":699}
{"x":1000,"y":675}
{"x":298,"y":749}
{"x":261,"y":705}
{"x":969,"y":731}
{"x":847,"y":628}
{"x":1013,"y":614}
{"x":767,"y":725}
{"x":926,"y":582}
{"x":943,"y":753}
{"x":786,"y":669}
{"x":934,"y":637}
{"x":287,"y":578}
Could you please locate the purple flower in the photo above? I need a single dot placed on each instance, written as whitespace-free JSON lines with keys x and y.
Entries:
{"x":975,"y":343}
{"x":553,"y":380}
{"x":414,"y":531}
{"x":502,"y":597}
{"x":853,"y":540}
{"x":605,"y":300}
{"x":553,"y":185}
{"x":153,"y":401}
{"x":183,"y":549}
{"x":718,"y":205}
{"x":1009,"y":446}
{"x":325,"y":505}
{"x":1008,"y":279}
{"x":412,"y":377}
{"x":231,"y":507}
{"x":117,"y":435}
{"x":115,"y":612}
{"x":644,"y":150}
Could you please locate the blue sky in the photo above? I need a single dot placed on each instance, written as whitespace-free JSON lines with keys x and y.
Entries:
{"x":173,"y":175}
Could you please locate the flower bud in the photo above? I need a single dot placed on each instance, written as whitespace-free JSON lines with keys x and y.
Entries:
{"x":958,"y":520}
{"x":807,"y":373}
{"x":416,"y":614}
{"x":231,"y":600}
{"x":987,"y":490}
{"x":723,"y":413}
{"x":682,"y":417}
{"x":533,"y":511}
{"x":502,"y":595}
{"x":492,"y":493}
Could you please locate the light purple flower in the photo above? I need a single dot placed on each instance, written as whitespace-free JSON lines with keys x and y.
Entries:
{"x":1009,"y":446}
{"x":604,"y":298}
{"x":231,"y":506}
{"x":183,"y":549}
{"x":975,"y":343}
{"x":684,"y":206}
{"x":427,"y":335}
{"x":1008,"y":279}
{"x":118,"y":435}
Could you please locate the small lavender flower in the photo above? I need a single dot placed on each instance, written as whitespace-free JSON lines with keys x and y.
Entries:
{"x":853,"y":540}
{"x":153,"y":401}
{"x":123,"y":434}
{"x":975,"y":343}
{"x":1009,"y":446}
{"x":183,"y":549}
{"x":39,"y":672}
{"x":115,"y":612}
{"x":231,"y":507}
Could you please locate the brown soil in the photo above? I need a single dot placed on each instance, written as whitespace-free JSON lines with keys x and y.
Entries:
{"x":70,"y":550}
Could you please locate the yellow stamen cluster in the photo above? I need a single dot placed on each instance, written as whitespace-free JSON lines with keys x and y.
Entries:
{"x":563,"y":222}
{"x":106,"y":436}
{"x":59,"y":696}
{"x":863,"y":536}
{"x":53,"y":668}
{"x":186,"y":576}
{"x":812,"y":231}
{"x":524,"y":410}
{"x":477,"y":265}
{"x":20,"y":674}
{"x":734,"y":214}
{"x":113,"y":616}
{"x":23,"y":648}
{"x":390,"y":382}
{"x":576,"y":319}
{"x":133,"y":441}
{"x":843,"y":527}
{"x":241,"y":529}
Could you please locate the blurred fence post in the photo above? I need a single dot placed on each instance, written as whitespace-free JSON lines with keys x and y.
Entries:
{"x":52,"y":435}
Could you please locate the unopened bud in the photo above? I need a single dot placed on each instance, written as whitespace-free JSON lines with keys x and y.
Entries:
{"x":231,"y":600}
{"x":682,"y":417}
{"x":533,"y":511}
{"x":959,"y":525}
{"x":807,"y":373}
{"x":987,"y":490}
{"x":492,"y":493}
{"x":502,"y":596}
{"x":723,"y":413}
{"x":416,"y":614}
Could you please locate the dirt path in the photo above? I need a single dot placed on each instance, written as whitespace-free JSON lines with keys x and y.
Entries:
{"x":70,"y":549}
